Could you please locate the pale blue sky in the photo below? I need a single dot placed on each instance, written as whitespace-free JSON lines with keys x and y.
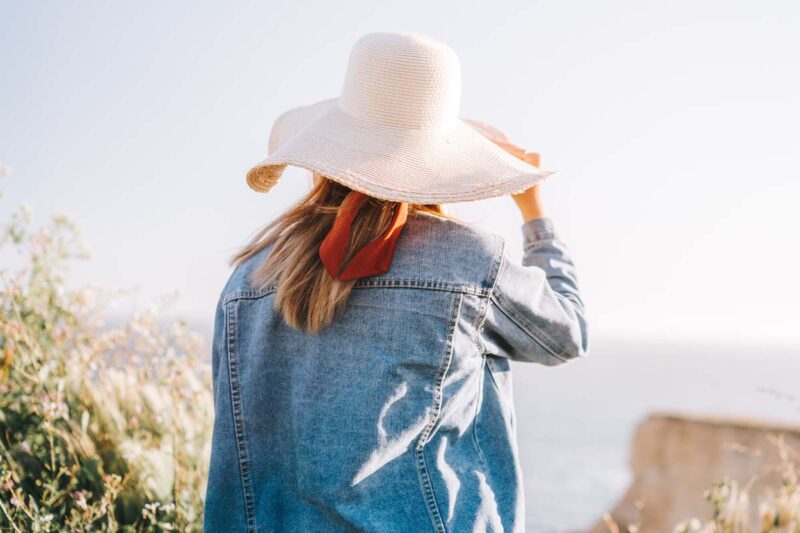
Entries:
{"x":675,"y":126}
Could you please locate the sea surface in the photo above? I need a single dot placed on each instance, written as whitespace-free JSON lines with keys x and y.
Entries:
{"x":575,"y":422}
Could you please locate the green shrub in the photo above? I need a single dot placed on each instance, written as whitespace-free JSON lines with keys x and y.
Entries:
{"x":102,"y":427}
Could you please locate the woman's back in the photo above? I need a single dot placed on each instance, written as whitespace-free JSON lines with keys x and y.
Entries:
{"x":399,"y":415}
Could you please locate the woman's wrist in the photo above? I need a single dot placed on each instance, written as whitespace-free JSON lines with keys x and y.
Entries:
{"x":531,"y":212}
{"x":529,"y":203}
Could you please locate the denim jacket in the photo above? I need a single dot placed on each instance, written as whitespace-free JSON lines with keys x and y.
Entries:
{"x":399,"y":416}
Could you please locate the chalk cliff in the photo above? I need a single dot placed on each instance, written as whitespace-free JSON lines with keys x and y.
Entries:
{"x":674,"y":458}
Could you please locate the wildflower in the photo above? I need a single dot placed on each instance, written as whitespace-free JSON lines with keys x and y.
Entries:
{"x":6,"y":170}
{"x":85,"y":298}
{"x":112,"y":484}
{"x":53,"y":410}
{"x":44,"y":371}
{"x":80,"y":499}
{"x":149,"y":510}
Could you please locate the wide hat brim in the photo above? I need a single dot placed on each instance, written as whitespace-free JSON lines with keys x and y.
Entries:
{"x":455,"y":164}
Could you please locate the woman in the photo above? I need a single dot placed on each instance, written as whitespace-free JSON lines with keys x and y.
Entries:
{"x":362,"y":343}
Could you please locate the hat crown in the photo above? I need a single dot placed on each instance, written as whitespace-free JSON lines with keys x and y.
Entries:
{"x":405,"y":80}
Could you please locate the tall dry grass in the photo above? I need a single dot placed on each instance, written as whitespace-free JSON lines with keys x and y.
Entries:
{"x":730,"y":504}
{"x":102,"y":427}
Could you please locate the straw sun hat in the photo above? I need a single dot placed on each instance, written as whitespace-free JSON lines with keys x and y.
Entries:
{"x":395,"y":131}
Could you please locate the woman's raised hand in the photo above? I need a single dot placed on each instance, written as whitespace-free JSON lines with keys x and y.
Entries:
{"x":528,"y":201}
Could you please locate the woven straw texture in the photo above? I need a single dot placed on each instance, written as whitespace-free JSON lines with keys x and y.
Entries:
{"x":395,"y":132}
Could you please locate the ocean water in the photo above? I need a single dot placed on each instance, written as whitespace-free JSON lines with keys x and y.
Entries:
{"x":575,"y":422}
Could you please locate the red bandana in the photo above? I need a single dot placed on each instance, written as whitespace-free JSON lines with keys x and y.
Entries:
{"x":375,"y":257}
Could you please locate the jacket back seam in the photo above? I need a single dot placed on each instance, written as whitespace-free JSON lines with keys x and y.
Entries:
{"x":422,"y":469}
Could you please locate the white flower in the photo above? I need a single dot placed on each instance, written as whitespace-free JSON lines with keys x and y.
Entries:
{"x":80,"y":499}
{"x":6,"y":170}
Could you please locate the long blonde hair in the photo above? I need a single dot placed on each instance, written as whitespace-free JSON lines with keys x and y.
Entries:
{"x":308,"y":298}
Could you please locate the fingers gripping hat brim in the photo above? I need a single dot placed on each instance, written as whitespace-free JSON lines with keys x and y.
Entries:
{"x":421,"y":166}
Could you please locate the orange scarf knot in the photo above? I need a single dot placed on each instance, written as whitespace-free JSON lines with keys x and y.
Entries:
{"x":375,"y":257}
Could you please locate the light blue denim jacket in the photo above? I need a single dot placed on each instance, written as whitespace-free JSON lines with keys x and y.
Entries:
{"x":399,"y":416}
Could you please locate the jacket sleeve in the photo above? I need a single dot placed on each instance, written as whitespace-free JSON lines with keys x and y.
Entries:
{"x":535,"y":312}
